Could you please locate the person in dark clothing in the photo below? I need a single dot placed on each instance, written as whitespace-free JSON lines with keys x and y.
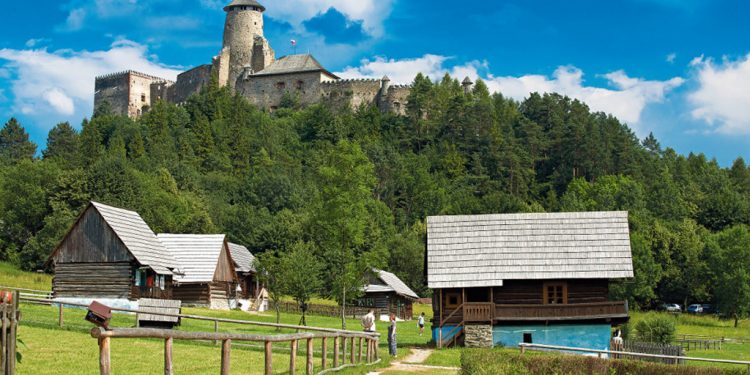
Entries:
{"x":392,"y":335}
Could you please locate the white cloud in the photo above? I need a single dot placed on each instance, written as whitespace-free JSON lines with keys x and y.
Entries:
{"x":626,"y":98}
{"x":371,"y":12}
{"x":722,"y":98}
{"x":61,"y":83}
{"x":75,"y":19}
{"x":671,"y":58}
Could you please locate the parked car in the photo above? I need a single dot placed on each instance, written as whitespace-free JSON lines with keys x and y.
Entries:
{"x":671,"y":307}
{"x":695,"y":309}
{"x":709,"y":309}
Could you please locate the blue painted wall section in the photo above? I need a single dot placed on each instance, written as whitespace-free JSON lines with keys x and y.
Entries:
{"x":448,"y":332}
{"x":589,"y":336}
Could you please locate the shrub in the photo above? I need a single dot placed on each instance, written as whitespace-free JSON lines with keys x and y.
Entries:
{"x":505,"y":361}
{"x":659,"y":329}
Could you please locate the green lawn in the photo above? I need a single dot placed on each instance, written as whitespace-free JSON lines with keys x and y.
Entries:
{"x":12,"y":277}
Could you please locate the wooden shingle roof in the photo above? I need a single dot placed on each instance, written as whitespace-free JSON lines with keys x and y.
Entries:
{"x":138,"y":238}
{"x":392,"y":283}
{"x":291,"y":64}
{"x":484,"y":250}
{"x":197,"y":255}
{"x":244,"y":261}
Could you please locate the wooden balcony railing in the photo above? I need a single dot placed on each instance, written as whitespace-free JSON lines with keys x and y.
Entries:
{"x":478,"y":311}
{"x":600,"y":310}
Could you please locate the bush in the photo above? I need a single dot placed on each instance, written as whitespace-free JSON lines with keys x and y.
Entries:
{"x":506,"y":361}
{"x":659,"y":329}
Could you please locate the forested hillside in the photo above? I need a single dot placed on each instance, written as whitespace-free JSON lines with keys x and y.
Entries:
{"x":355,"y":186}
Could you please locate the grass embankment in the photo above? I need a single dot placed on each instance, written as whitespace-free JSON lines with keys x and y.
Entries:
{"x":12,"y":277}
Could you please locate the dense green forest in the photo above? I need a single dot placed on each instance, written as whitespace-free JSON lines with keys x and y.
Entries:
{"x":353,"y":187}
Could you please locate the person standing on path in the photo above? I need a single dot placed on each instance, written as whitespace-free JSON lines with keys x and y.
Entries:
{"x":368,"y":321}
{"x":392,"y":335}
{"x":420,"y":322}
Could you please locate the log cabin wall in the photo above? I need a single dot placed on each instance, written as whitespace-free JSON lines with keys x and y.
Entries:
{"x":532,"y":291}
{"x":220,"y":292}
{"x":192,"y":294}
{"x":102,"y":280}
{"x":91,"y":240}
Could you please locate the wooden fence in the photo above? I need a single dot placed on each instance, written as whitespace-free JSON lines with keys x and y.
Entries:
{"x":630,"y":355}
{"x":9,"y":316}
{"x":322,"y":310}
{"x":653,"y":348}
{"x":339,"y":357}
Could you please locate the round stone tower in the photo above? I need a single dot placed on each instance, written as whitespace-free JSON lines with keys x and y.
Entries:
{"x":242,"y":29}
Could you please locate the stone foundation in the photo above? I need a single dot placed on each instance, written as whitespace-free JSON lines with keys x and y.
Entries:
{"x":478,"y":336}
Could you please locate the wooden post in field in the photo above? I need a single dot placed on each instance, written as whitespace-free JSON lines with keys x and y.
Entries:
{"x":293,"y":357}
{"x":269,"y":358}
{"x":60,"y":321}
{"x":226,"y":353}
{"x":523,"y":349}
{"x":309,"y":357}
{"x":3,"y":335}
{"x":377,"y":344}
{"x":343,"y":352}
{"x":325,"y":352}
{"x":359,"y":356}
{"x":336,"y":351}
{"x":369,"y":350}
{"x":13,"y":332}
{"x":216,"y":329}
{"x":104,"y":363}
{"x":168,"y":368}
{"x":351,"y":343}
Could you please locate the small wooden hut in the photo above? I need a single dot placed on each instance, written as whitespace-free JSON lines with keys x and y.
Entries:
{"x":538,"y":278}
{"x":386,"y":293}
{"x":244,"y":265}
{"x":207,"y":273}
{"x":111,"y":254}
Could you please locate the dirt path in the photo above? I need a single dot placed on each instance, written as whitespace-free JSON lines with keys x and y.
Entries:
{"x":413,"y":363}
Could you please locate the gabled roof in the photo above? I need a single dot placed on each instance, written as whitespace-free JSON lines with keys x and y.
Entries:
{"x":392,"y":284}
{"x":484,"y":250}
{"x":197,"y":255}
{"x":137,"y":237}
{"x":244,"y":261}
{"x":294,"y":64}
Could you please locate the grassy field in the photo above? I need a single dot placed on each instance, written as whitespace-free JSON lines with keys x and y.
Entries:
{"x":12,"y":277}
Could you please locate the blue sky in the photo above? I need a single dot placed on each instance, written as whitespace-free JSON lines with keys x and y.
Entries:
{"x":678,"y":68}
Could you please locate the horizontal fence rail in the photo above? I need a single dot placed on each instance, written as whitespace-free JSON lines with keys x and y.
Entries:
{"x":339,"y":338}
{"x":674,"y":359}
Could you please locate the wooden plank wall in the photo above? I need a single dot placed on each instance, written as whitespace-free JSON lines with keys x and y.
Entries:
{"x":192,"y":294}
{"x":91,"y":240}
{"x":532,"y":291}
{"x":103,"y":280}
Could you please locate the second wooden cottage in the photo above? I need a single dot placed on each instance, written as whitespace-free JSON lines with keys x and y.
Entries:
{"x":244,"y":264}
{"x":386,"y":293}
{"x":207,"y":277}
{"x":536,"y":278}
{"x":110,"y":254}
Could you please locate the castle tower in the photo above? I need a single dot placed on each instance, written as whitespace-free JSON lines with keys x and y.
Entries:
{"x":244,"y":46}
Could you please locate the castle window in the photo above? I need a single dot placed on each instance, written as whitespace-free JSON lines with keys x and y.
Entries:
{"x":280,"y":85}
{"x":143,"y":98}
{"x":300,"y":84}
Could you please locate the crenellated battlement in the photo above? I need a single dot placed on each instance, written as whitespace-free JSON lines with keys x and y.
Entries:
{"x":133,"y":72}
{"x":350,"y":81}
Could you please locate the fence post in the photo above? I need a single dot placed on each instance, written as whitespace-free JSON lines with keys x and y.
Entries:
{"x":336,"y":351}
{"x":377,"y":345}
{"x":168,"y":369}
{"x":226,"y":353}
{"x":60,"y":321}
{"x":104,"y":364}
{"x":309,"y":356}
{"x":343,"y":352}
{"x":523,"y":349}
{"x":216,"y":330}
{"x":3,"y":335}
{"x":359,"y":356}
{"x":325,"y":352}
{"x":269,"y":358}
{"x":11,"y":354}
{"x":293,"y":357}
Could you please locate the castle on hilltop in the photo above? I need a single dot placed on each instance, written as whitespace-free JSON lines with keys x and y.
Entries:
{"x":247,"y":65}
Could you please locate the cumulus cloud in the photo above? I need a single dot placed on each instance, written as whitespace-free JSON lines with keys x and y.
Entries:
{"x":61,"y":83}
{"x":626,"y":97}
{"x":671,"y":58}
{"x":372,"y":13}
{"x":722,"y":98}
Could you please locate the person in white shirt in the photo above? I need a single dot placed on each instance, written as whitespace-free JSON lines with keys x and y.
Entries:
{"x":368,"y":321}
{"x":420,"y":322}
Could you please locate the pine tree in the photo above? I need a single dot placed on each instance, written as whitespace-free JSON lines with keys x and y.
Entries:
{"x":62,"y":144}
{"x":14,"y":143}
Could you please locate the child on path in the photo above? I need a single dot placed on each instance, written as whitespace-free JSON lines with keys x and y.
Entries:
{"x":392,"y":335}
{"x":420,"y":322}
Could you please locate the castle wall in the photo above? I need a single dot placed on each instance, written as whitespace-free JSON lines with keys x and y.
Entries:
{"x":351,"y":92}
{"x":395,"y":100}
{"x":114,"y":89}
{"x":189,"y":83}
{"x":267,"y":91}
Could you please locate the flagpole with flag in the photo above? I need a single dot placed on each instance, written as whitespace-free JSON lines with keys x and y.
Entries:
{"x":294,"y":45}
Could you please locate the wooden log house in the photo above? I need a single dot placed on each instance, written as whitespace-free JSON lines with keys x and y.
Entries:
{"x":540,"y":278}
{"x":244,"y":265}
{"x":112,"y":255}
{"x":386,"y":293}
{"x":207,"y":275}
